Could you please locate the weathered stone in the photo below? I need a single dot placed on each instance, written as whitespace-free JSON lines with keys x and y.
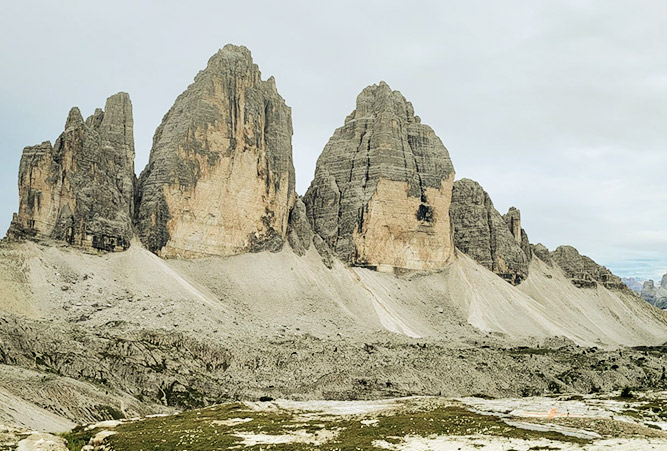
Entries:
{"x":382,"y":188}
{"x":220,"y":180}
{"x":299,"y":232}
{"x":82,"y":189}
{"x":583,"y":271}
{"x":324,"y":250}
{"x":513,"y":220}
{"x":482,"y":233}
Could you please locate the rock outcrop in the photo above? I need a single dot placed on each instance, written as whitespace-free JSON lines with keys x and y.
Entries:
{"x":220,"y":180}
{"x":513,"y":220}
{"x":492,"y":240}
{"x":299,"y":232}
{"x":656,"y":295}
{"x":382,"y":188}
{"x":583,"y":271}
{"x":81,"y":190}
{"x":541,"y":252}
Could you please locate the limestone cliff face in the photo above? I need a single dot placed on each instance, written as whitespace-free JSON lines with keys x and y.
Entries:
{"x":492,"y":240}
{"x":382,"y":188}
{"x":583,"y":271}
{"x":81,"y":190}
{"x":220,"y":180}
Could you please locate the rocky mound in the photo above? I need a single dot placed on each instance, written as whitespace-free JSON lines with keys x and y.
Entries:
{"x":81,"y":189}
{"x":220,"y":179}
{"x":382,"y":188}
{"x":583,"y":271}
{"x":496,"y":242}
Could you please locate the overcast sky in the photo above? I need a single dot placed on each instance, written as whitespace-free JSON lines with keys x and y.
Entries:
{"x":556,"y":107}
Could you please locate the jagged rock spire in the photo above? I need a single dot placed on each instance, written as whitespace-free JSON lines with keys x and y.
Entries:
{"x":81,"y":190}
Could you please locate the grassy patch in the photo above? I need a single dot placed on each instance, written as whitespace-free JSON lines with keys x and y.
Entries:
{"x":78,"y":438}
{"x":205,"y":429}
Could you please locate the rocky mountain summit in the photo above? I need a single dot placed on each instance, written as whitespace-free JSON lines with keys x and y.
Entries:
{"x":655,"y":295}
{"x":81,"y":190}
{"x":382,"y":188}
{"x":220,"y":180}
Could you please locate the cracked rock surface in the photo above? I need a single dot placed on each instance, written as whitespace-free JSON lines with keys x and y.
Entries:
{"x":583,"y":271}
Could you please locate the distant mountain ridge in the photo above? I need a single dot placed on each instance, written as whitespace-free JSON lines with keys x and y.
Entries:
{"x":655,"y":294}
{"x":634,"y":283}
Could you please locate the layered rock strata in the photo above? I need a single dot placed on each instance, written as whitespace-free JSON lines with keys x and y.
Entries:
{"x":220,"y":180}
{"x":81,"y":190}
{"x":481,"y":232}
{"x":382,"y":188}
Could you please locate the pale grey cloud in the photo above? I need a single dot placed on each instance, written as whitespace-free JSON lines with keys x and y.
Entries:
{"x":557,"y":106}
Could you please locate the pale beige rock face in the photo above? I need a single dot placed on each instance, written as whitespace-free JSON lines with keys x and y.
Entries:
{"x":220,"y":180}
{"x":225,"y":209}
{"x":392,"y":236}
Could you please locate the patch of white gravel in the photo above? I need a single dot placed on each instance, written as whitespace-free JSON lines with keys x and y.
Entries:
{"x":329,"y":407}
{"x":104,"y":424}
{"x":301,"y":436}
{"x":230,"y":422}
{"x":542,"y":407}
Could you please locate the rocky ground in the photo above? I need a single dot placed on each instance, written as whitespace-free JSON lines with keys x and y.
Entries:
{"x":87,"y":337}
